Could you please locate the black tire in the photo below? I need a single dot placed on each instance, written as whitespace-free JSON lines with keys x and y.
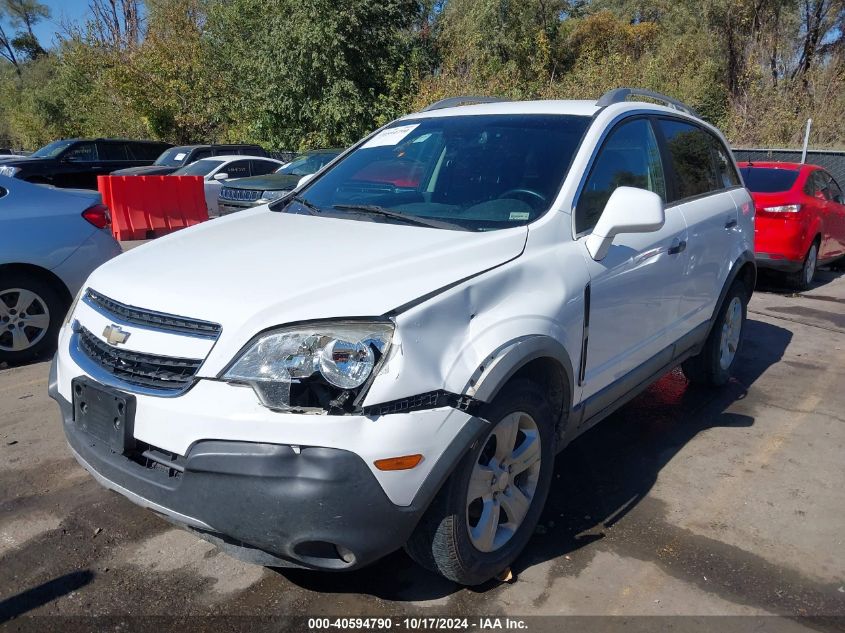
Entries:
{"x":803,"y":279}
{"x":53,"y":304}
{"x":706,"y":368}
{"x":441,"y":541}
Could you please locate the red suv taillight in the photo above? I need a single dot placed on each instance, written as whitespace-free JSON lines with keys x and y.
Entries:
{"x":98,"y":215}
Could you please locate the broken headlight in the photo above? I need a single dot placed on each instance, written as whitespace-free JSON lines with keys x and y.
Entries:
{"x":324,"y":365}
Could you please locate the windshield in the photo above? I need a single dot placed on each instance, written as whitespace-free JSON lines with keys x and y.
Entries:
{"x":173,"y":157}
{"x":479,"y":173}
{"x":200,"y":168}
{"x":768,"y":180}
{"x":52,"y":150}
{"x":306,"y":164}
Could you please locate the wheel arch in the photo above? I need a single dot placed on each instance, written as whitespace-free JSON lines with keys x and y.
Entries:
{"x":542,"y":359}
{"x":40,"y":273}
{"x":744,"y":269}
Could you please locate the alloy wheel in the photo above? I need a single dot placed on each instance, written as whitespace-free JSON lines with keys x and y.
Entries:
{"x":24,"y":319}
{"x":503,"y":482}
{"x":731,"y":331}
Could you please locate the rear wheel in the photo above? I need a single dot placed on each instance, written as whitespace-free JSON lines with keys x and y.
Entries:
{"x":31,"y":313}
{"x":487,"y":510}
{"x":712,"y":366}
{"x":803,"y":279}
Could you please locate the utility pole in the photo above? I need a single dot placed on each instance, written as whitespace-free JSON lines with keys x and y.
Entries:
{"x":806,"y":141}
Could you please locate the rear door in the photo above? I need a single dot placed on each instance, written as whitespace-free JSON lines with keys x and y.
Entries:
{"x":702,"y":175}
{"x":630,"y":310}
{"x":112,"y":156}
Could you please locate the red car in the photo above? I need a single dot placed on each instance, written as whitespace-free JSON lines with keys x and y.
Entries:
{"x":800,"y":218}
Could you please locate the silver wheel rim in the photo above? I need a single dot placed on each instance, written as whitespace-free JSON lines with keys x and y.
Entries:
{"x":24,"y":319}
{"x":810,"y":268}
{"x":731,"y":329}
{"x":503,"y":482}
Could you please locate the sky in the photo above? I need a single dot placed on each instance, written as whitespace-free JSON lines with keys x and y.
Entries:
{"x":62,"y":10}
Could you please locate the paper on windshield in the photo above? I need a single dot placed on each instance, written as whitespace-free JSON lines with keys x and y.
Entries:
{"x":390,"y":136}
{"x":180,"y":156}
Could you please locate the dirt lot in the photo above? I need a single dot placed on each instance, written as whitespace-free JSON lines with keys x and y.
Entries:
{"x":686,"y":502}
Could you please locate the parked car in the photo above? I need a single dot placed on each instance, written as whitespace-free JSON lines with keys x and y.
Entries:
{"x":256,"y":190}
{"x":76,"y":162}
{"x":50,"y":241}
{"x":176,"y":157}
{"x":800,"y":218}
{"x":366,"y":367}
{"x":215,"y":171}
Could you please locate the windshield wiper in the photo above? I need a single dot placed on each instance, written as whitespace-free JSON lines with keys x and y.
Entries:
{"x":313,"y":208}
{"x":373,"y":209}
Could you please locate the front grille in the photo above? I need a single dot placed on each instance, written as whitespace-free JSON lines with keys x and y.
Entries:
{"x":157,"y":320}
{"x":166,"y":373}
{"x":241,"y":195}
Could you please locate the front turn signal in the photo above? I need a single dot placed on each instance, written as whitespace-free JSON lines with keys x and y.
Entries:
{"x":406,"y":462}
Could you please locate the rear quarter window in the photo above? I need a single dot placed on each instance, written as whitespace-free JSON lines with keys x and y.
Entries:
{"x":769,"y":179}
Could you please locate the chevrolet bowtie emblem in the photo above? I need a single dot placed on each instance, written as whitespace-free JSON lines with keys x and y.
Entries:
{"x":114,"y":335}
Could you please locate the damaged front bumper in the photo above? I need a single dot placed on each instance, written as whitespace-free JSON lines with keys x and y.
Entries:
{"x":278,"y":504}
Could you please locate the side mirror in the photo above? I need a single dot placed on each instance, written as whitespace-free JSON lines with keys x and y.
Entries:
{"x":303,"y":180}
{"x":221,"y":175}
{"x":629,"y":210}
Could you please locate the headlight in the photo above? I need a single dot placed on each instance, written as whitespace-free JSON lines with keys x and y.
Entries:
{"x":269,"y":196}
{"x":73,"y":305}
{"x":322,"y":365}
{"x":8,"y":170}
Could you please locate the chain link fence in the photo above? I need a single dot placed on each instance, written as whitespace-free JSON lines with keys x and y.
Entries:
{"x":831,"y":160}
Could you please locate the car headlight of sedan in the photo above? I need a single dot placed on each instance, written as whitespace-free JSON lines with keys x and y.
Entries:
{"x":8,"y":170}
{"x":269,"y":196}
{"x":324,"y":365}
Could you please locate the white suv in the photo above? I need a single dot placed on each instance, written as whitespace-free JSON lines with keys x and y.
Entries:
{"x":393,"y":354}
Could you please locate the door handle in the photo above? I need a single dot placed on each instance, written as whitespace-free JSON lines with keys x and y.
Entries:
{"x":680,"y":247}
{"x":730,"y":223}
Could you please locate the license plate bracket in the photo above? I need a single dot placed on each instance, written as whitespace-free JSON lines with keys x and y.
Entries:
{"x":104,"y":413}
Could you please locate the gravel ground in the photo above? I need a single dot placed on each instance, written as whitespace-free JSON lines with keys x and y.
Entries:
{"x":686,"y":502}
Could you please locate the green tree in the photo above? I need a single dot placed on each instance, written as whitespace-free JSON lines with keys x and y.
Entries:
{"x":305,"y":73}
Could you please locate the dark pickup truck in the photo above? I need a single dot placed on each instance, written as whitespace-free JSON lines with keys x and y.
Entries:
{"x":77,"y":162}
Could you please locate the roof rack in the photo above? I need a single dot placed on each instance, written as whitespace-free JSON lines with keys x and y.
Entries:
{"x":620,"y":95}
{"x":452,"y":102}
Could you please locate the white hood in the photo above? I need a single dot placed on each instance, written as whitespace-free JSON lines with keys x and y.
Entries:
{"x":260,"y":268}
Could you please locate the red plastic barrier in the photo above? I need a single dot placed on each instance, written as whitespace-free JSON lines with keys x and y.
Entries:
{"x":143,"y":207}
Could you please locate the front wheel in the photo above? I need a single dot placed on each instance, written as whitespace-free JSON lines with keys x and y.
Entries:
{"x":712,"y":366}
{"x":487,"y":510}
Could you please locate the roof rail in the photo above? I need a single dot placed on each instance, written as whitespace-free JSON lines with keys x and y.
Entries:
{"x":452,"y":102}
{"x":620,"y":95}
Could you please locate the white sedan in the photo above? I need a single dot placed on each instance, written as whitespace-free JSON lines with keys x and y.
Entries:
{"x":215,"y":171}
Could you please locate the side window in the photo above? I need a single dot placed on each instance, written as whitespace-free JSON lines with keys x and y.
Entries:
{"x":111,"y":151}
{"x":237,"y":169}
{"x":690,"y":153}
{"x":261,"y":167}
{"x":630,"y":157}
{"x":199,"y":155}
{"x":724,"y":164}
{"x":81,"y":152}
{"x":817,"y":186}
{"x":836,"y":192}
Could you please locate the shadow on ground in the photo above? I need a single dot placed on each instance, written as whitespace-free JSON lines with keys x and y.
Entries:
{"x":598,"y":479}
{"x":777,"y":283}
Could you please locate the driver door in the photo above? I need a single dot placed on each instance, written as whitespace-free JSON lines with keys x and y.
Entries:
{"x":631,"y":307}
